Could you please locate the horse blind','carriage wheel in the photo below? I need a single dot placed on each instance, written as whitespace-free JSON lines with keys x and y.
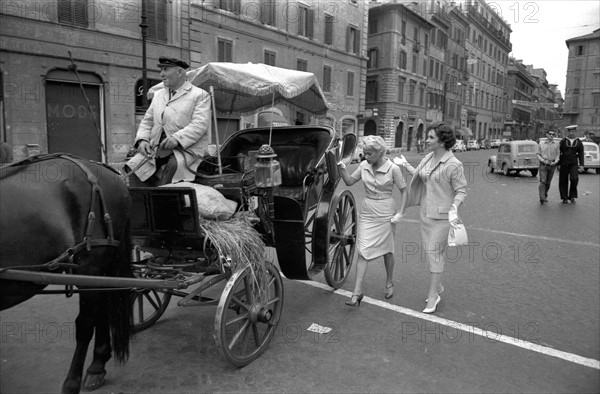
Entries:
{"x":248,"y":312}
{"x":148,"y":304}
{"x":341,"y":241}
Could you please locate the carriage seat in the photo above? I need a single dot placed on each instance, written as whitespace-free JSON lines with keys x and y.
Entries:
{"x":295,"y":161}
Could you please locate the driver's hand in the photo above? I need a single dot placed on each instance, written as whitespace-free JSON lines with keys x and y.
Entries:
{"x":145,"y":148}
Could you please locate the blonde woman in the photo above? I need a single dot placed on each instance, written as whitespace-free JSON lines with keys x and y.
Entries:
{"x":376,"y":222}
{"x":439,"y":186}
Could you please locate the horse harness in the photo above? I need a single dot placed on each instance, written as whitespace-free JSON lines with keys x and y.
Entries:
{"x":66,"y":259}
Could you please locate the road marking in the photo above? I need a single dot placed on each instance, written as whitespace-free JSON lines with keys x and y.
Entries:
{"x":570,"y":357}
{"x":540,"y":237}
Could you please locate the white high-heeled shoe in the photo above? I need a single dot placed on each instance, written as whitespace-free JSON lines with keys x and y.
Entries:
{"x":434,"y":307}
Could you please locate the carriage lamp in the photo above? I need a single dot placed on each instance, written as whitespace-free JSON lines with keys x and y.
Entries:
{"x":267,"y":172}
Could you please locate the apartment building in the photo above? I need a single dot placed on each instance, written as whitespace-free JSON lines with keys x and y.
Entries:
{"x":582,"y":89}
{"x":488,"y":47}
{"x":399,"y":52}
{"x":72,"y":70}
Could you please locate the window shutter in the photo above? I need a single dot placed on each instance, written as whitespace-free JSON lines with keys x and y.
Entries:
{"x":310,"y":25}
{"x":356,"y":41}
{"x":348,"y":39}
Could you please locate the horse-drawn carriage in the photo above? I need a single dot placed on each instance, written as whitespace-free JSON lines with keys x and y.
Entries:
{"x":309,"y":224}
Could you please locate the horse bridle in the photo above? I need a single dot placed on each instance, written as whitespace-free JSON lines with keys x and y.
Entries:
{"x":65,"y":260}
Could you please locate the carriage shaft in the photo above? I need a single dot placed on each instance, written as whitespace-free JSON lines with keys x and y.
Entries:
{"x":49,"y":278}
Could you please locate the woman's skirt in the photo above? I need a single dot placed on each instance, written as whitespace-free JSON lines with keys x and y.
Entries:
{"x":375,"y":234}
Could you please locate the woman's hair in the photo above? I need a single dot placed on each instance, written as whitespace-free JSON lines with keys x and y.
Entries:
{"x":444,"y":133}
{"x":374,"y":142}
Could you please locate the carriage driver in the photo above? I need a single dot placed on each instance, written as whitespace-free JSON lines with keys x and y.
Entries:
{"x":173,"y":135}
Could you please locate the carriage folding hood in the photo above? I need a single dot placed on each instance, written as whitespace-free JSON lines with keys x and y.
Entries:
{"x":247,"y":88}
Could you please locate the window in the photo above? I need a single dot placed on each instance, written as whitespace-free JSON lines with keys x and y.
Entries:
{"x":580,"y":50}
{"x":372,"y":58}
{"x":421,"y":94}
{"x":401,"y":83}
{"x":73,"y":12}
{"x":414,"y":64}
{"x":270,"y":58}
{"x":305,"y":22}
{"x":412,"y":87}
{"x":403,"y":31}
{"x":350,"y":84}
{"x":156,"y":13}
{"x":431,"y":68}
{"x":596,"y":100}
{"x":329,"y":23}
{"x":268,"y":12}
{"x":403,"y":58}
{"x":227,"y":5}
{"x":301,"y":65}
{"x":373,"y":26}
{"x":224,"y":49}
{"x":353,"y":40}
{"x":326,"y":79}
{"x":372,"y":87}
{"x":300,"y":119}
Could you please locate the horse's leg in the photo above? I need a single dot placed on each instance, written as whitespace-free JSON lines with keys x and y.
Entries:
{"x":94,"y":377}
{"x":84,"y":329}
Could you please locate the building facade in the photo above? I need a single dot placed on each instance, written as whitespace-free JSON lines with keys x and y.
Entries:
{"x":582,"y":89}
{"x":72,"y":70}
{"x":399,"y":52}
{"x":488,"y":47}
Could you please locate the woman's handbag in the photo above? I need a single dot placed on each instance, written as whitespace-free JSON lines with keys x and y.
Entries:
{"x":457,"y":235}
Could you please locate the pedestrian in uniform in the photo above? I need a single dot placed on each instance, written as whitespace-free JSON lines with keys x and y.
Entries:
{"x":173,"y":135}
{"x":378,"y":215}
{"x":548,"y":155}
{"x":571,"y":157}
{"x":439,"y":187}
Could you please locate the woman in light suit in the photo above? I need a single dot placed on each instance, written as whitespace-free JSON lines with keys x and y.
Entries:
{"x":439,"y":186}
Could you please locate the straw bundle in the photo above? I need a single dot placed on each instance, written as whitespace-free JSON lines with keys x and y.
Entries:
{"x":238,"y":241}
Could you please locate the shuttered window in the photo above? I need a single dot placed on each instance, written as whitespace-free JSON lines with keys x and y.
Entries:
{"x":73,"y":12}
{"x":329,"y":21}
{"x":306,"y":21}
{"x":230,"y":5}
{"x":326,"y":79}
{"x":156,"y":17}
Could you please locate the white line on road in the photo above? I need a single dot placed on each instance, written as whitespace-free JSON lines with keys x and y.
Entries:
{"x":540,"y":237}
{"x":574,"y":358}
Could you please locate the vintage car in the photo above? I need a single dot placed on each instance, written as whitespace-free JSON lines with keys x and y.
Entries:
{"x":494,"y":143}
{"x":515,"y":156}
{"x":473,"y":145}
{"x":591,"y":153}
{"x":459,"y":146}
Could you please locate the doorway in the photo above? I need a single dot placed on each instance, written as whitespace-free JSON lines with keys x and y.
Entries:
{"x":69,"y":122}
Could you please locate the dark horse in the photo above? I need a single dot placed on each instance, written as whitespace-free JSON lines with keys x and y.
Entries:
{"x":74,"y":214}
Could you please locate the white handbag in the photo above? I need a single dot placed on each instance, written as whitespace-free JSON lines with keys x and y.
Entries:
{"x":457,"y":236}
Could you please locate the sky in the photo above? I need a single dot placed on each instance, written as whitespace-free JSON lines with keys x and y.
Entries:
{"x":541,"y":27}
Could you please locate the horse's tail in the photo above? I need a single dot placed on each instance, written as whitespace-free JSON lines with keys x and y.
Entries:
{"x":120,"y":304}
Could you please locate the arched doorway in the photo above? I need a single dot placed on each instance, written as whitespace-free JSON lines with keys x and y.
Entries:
{"x":409,"y":138}
{"x":399,"y":135}
{"x":421,"y":132}
{"x":370,"y":128}
{"x":70,"y":125}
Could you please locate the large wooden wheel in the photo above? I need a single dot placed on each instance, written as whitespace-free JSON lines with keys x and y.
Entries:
{"x":148,"y":304}
{"x":248,"y":313}
{"x":341,"y":240}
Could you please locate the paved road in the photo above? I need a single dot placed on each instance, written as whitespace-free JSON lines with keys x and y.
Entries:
{"x":520,"y":314}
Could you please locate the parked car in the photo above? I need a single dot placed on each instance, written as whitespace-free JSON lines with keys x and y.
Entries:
{"x":459,"y":146}
{"x":515,"y":156}
{"x":495,"y":143}
{"x":472,"y":145}
{"x":484,"y":144}
{"x":591,"y":158}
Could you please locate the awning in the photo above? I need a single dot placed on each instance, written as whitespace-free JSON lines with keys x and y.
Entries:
{"x":465,"y":131}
